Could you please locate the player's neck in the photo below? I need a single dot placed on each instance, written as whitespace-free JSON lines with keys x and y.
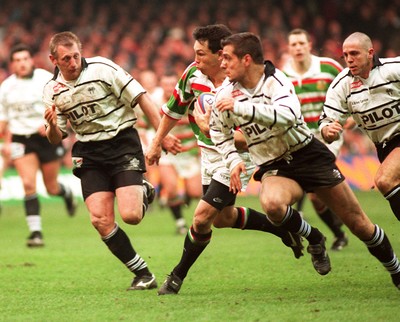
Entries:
{"x":302,"y":67}
{"x":218,"y":78}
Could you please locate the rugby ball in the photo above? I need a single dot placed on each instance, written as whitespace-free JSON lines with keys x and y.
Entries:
{"x":205,"y":101}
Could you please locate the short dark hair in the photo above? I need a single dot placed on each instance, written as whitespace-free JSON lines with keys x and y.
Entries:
{"x":18,"y":48}
{"x":299,"y":31}
{"x":213,"y":34}
{"x":246,"y":43}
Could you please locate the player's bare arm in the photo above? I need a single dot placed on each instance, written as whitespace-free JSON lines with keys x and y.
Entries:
{"x":235,"y":182}
{"x":153,"y":153}
{"x":169,"y":142}
{"x":53,"y":132}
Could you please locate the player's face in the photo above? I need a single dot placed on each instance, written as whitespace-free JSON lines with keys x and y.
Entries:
{"x":232,"y":64}
{"x":69,"y":61}
{"x":358,"y":59}
{"x":207,"y":62}
{"x":299,"y":47}
{"x":22,"y":64}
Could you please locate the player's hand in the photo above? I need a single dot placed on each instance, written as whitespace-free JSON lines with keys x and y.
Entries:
{"x":225,"y":104}
{"x":153,"y":153}
{"x":172,"y":144}
{"x":235,"y":182}
{"x":50,"y":116}
{"x":332,"y":131}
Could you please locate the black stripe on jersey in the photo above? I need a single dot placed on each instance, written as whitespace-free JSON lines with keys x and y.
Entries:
{"x":102,"y":116}
{"x":374,"y":127}
{"x":58,"y":94}
{"x":123,"y":88}
{"x":102,"y":63}
{"x":335,"y":109}
{"x":337,"y":81}
{"x":92,"y":81}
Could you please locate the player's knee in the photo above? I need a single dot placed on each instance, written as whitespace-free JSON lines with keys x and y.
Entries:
{"x":274,"y":208}
{"x":383,"y":183}
{"x":132,"y":218}
{"x":202,"y":223}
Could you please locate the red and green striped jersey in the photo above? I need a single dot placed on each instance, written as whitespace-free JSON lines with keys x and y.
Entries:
{"x":311,"y":87}
{"x":191,"y":84}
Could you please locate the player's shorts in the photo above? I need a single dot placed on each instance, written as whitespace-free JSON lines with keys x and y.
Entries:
{"x":218,"y":195}
{"x":109,"y":164}
{"x":35,"y":143}
{"x":213,"y":167}
{"x":384,"y":149}
{"x":313,"y":166}
{"x":186,"y":164}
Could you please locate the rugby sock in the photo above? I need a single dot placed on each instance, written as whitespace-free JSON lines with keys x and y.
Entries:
{"x":193,"y":246}
{"x":393,"y":196}
{"x":62,"y":190}
{"x":332,"y":221}
{"x":32,"y":211}
{"x":293,"y":222}
{"x":250,"y":219}
{"x":176,"y":211}
{"x":119,"y":244}
{"x":380,"y":247}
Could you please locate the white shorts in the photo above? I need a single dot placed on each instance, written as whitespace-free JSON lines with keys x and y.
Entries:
{"x":213,"y":167}
{"x":186,"y":164}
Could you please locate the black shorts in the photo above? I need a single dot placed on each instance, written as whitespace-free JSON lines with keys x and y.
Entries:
{"x":218,"y":195}
{"x":110,"y":164}
{"x":39,"y":145}
{"x":383,"y":150}
{"x":311,"y":167}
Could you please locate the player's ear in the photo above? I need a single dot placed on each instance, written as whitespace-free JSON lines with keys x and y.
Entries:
{"x":53,"y":59}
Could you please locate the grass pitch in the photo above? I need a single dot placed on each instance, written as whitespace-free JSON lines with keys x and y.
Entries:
{"x":241,"y":276}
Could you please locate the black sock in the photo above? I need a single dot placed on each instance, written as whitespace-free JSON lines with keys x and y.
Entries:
{"x":380,"y":247}
{"x":176,"y":211}
{"x":250,"y":219}
{"x":393,"y":197}
{"x":294,"y":223}
{"x":332,"y":221}
{"x":32,"y":206}
{"x":194,"y":245}
{"x":119,"y":244}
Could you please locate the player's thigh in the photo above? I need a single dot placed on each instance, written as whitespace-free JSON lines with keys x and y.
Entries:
{"x":129,"y":199}
{"x":277,"y":192}
{"x":388,"y":174}
{"x":193,"y":186}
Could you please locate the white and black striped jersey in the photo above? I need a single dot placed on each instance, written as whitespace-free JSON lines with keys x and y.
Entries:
{"x":374,"y":103}
{"x":99,"y":104}
{"x":269,"y":117}
{"x":21,"y":103}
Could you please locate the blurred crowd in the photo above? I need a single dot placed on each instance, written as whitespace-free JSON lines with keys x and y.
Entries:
{"x":156,"y":34}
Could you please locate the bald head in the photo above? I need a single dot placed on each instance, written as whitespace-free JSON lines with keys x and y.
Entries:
{"x":359,"y":38}
{"x":358,"y":54}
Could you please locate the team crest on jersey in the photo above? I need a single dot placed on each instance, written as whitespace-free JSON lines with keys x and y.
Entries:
{"x":356,"y":84}
{"x":321,"y":85}
{"x":58,"y":87}
{"x":389,"y":91}
{"x":236,"y":93}
{"x":91,"y":90}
